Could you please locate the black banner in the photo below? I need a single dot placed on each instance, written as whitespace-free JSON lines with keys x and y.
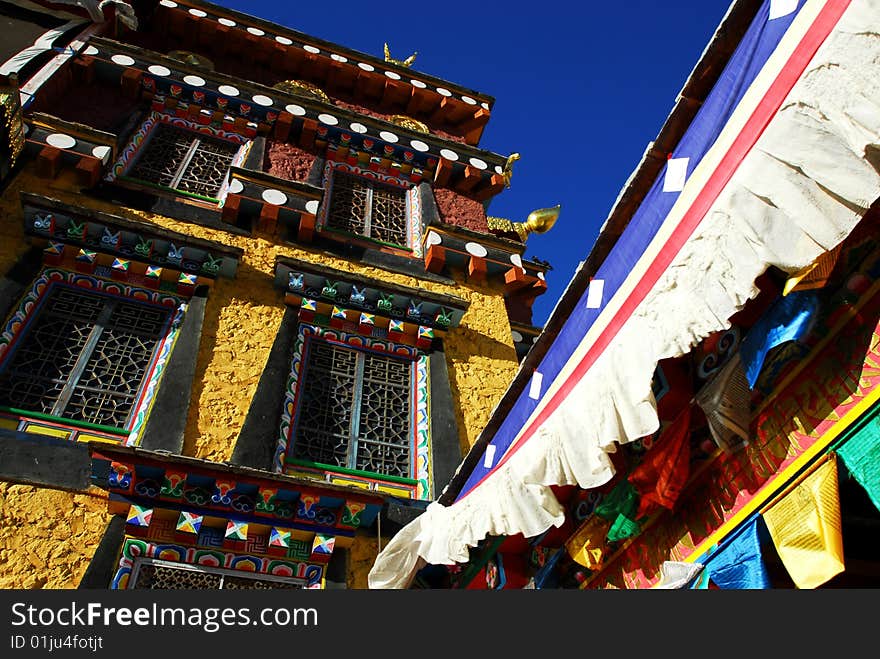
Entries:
{"x":377,"y":623}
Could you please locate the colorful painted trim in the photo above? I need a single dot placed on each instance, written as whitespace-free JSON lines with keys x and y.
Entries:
{"x":133,"y":548}
{"x":425,"y":488}
{"x":48,"y":276}
{"x":421,"y":424}
{"x":140,"y":136}
{"x":414,"y":213}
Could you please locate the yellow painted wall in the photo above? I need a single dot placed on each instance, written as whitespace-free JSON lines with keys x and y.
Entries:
{"x":241,"y":321}
{"x":47,"y":537}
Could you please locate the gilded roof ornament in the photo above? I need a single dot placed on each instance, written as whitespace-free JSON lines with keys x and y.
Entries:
{"x":302,"y":88}
{"x":193,"y":59}
{"x":408,"y":122}
{"x":407,"y":62}
{"x":507,"y":171}
{"x":538,"y":221}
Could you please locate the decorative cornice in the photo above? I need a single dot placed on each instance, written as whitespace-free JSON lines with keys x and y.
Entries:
{"x":218,"y":489}
{"x":410,"y":314}
{"x":93,"y":232}
{"x":283,"y":38}
{"x":251,"y":108}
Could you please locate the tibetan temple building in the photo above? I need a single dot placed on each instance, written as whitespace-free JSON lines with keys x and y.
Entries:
{"x":254,"y":310}
{"x":702,"y":408}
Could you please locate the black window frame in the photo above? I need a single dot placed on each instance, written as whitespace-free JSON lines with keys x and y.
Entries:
{"x":343,"y":206}
{"x":355,"y":437}
{"x":87,"y":354}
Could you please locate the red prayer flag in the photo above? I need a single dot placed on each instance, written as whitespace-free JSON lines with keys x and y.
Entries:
{"x":664,"y":470}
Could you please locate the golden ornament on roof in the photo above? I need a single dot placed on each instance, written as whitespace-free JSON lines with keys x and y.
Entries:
{"x":543,"y":219}
{"x":408,"y":122}
{"x":538,"y":221}
{"x":407,"y":62}
{"x":507,"y":171}
{"x":193,"y":59}
{"x":302,"y":88}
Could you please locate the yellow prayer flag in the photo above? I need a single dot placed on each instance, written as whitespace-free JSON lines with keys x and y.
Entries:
{"x":587,"y":545}
{"x":805,"y":527}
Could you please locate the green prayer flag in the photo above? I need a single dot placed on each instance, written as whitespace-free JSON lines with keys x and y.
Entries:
{"x":861,"y":455}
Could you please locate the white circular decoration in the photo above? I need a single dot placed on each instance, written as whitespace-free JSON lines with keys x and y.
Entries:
{"x":418,"y":145}
{"x":433,"y":238}
{"x":227,"y":22}
{"x":257,"y":32}
{"x":443,"y":91}
{"x":535,"y":339}
{"x":195,"y":81}
{"x":312,"y":206}
{"x":499,"y":169}
{"x":123,"y":60}
{"x":236,"y":186}
{"x":158,"y":70}
{"x":228,"y":90}
{"x":338,"y":58}
{"x":311,"y":49}
{"x":198,"y":13}
{"x":358,"y":128}
{"x":517,"y":337}
{"x":296,"y":110}
{"x":479,"y":164}
{"x":274,"y":197}
{"x":418,"y":83}
{"x":516,"y":259}
{"x":328,"y":119}
{"x":60,"y":141}
{"x":259,"y":99}
{"x":366,"y":67}
{"x":168,"y":3}
{"x":541,"y":275}
{"x":468,"y":100}
{"x":388,"y":137}
{"x":392,"y":75}
{"x":449,"y":155}
{"x":284,"y":41}
{"x":484,"y":105}
{"x":101,"y":152}
{"x":475,"y":249}
{"x":91,"y":50}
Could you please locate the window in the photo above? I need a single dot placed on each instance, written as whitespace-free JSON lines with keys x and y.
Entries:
{"x":185,"y":160}
{"x":166,"y":575}
{"x":355,"y":410}
{"x":368,"y":208}
{"x":83,"y":356}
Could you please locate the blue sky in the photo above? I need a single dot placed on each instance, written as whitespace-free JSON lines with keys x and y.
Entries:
{"x":580,"y":90}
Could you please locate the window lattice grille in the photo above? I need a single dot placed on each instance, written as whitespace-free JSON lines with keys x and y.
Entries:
{"x":84,"y":357}
{"x":355,"y":410}
{"x":359,"y":205}
{"x":168,"y":577}
{"x":184,"y":160}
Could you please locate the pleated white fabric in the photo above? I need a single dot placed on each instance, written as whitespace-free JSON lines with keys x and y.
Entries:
{"x":802,"y":187}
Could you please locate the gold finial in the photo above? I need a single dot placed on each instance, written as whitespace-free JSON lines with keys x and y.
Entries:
{"x":408,"y":122}
{"x":507,"y":172}
{"x":538,"y":221}
{"x":407,"y":62}
{"x":543,"y":219}
{"x":302,"y":88}
{"x":193,"y":59}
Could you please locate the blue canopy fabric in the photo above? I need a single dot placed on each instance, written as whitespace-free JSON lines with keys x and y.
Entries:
{"x":754,"y":49}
